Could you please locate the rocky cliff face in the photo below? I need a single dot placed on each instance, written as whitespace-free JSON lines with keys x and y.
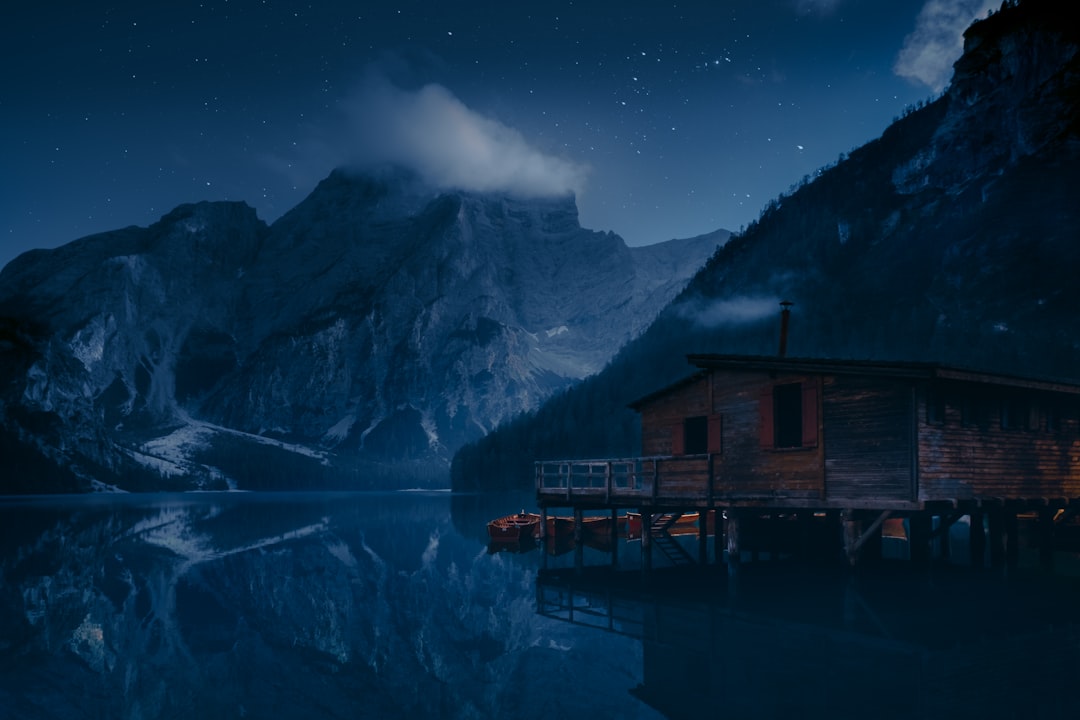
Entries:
{"x":1012,"y":96}
{"x":378,"y":322}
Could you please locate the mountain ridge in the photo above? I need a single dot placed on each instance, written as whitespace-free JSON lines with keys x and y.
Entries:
{"x":358,"y":340}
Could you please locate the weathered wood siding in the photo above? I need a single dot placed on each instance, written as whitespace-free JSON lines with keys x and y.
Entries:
{"x":746,"y":469}
{"x":966,"y":455}
{"x":662,"y":417}
{"x":681,"y":479}
{"x":868,"y":438}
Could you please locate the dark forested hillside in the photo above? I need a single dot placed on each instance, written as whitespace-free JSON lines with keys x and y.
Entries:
{"x":953,"y":237}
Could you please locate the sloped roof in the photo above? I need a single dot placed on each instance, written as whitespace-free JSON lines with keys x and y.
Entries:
{"x":881,"y":368}
{"x":913,"y":370}
{"x":636,"y":404}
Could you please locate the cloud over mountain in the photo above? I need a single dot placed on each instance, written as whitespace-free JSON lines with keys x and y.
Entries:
{"x":450,"y":145}
{"x":721,"y":312}
{"x":938,"y":40}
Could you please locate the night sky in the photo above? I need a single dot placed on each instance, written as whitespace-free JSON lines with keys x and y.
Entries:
{"x":668,"y":119}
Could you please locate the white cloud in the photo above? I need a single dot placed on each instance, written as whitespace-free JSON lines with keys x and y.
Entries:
{"x":451,"y":146}
{"x":938,"y":40}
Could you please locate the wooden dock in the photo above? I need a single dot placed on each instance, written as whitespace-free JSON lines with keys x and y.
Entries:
{"x":766,"y":443}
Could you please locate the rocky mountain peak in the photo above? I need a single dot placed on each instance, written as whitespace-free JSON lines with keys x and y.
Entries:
{"x":547,"y":216}
{"x":378,"y":323}
{"x":1008,"y":98}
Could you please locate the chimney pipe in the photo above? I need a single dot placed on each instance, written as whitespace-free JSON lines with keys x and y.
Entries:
{"x":785,"y":315}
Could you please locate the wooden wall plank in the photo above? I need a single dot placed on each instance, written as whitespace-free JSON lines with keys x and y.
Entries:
{"x":959,"y":460}
{"x":868,"y":438}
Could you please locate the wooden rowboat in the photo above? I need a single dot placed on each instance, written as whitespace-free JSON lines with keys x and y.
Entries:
{"x":514,"y":528}
{"x":686,"y":524}
{"x":559,"y":526}
{"x":596,"y":527}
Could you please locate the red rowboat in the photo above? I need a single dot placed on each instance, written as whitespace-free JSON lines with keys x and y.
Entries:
{"x":596,"y":527}
{"x":514,"y":528}
{"x":559,"y":526}
{"x":684,"y":525}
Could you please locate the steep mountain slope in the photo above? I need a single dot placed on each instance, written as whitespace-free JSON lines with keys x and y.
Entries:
{"x":377,"y":323}
{"x":953,"y":237}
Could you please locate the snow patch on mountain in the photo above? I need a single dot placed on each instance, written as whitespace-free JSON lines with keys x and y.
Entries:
{"x":88,"y":344}
{"x":339,"y":430}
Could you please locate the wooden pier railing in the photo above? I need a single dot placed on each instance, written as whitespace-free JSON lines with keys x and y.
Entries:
{"x":675,"y":479}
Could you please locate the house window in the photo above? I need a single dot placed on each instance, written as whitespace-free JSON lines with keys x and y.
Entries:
{"x":1053,"y":417}
{"x":974,"y":411}
{"x":1016,"y":414}
{"x":789,"y":415}
{"x":935,"y":407}
{"x":696,"y":435}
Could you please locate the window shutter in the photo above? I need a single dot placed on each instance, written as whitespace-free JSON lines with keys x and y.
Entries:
{"x":810,"y":413}
{"x":766,"y":432}
{"x":678,"y":439}
{"x":716,"y":440}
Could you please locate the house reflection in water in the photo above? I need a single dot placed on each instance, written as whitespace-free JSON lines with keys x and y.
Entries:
{"x":790,"y":642}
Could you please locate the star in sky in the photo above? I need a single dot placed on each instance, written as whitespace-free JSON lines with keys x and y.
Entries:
{"x":666,"y":119}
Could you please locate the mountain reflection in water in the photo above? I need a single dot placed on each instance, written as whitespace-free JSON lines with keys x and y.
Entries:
{"x":391,"y":605}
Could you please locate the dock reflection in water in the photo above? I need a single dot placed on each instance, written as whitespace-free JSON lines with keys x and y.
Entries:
{"x":390,"y":605}
{"x":785,"y":641}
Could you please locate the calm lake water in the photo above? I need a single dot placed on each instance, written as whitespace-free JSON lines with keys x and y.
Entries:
{"x":392,"y":605}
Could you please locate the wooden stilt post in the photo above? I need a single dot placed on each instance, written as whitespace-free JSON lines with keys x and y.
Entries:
{"x":543,"y":535}
{"x":614,"y":537}
{"x":703,"y":537}
{"x":1012,"y":539}
{"x":646,"y":541}
{"x":778,"y":533}
{"x":869,"y":536}
{"x":805,"y":526}
{"x":732,"y":558}
{"x":977,"y":540}
{"x":870,"y":551}
{"x":1046,"y":537}
{"x":832,"y":539}
{"x":718,"y":536}
{"x":946,"y":549}
{"x":579,"y":545}
{"x":997,"y":538}
{"x":919,"y":528}
{"x":851,"y":536}
{"x":732,"y":530}
{"x":752,"y":524}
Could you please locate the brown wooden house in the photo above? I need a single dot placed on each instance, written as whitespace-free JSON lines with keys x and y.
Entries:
{"x":896,"y":438}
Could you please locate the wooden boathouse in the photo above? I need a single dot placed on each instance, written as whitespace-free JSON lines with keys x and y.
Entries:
{"x":850,"y":444}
